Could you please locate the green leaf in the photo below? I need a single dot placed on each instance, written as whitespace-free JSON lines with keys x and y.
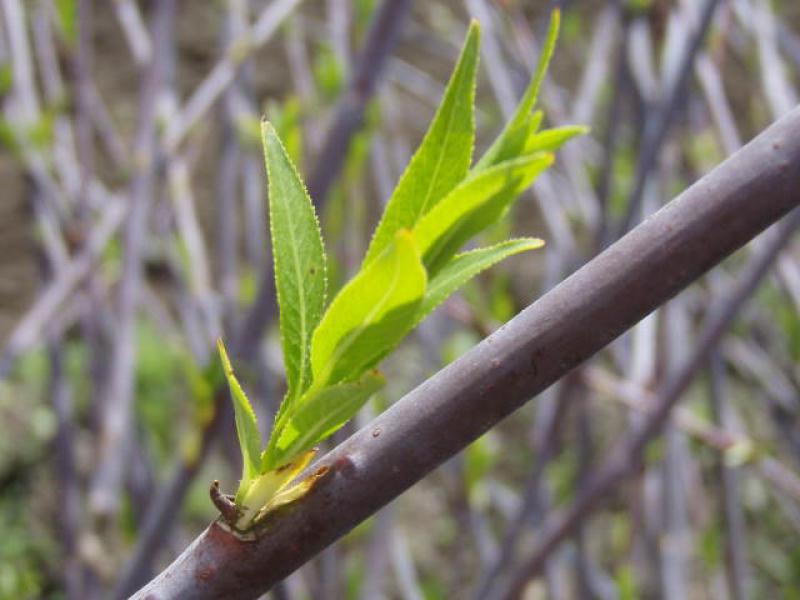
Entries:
{"x":287,"y":118}
{"x":6,"y":78}
{"x":289,"y":494}
{"x":370,"y":315}
{"x":517,"y":131}
{"x":551,"y":140}
{"x":299,"y":256}
{"x":465,"y":266}
{"x":474,"y":205}
{"x":246,"y":425}
{"x":319,"y":414}
{"x":443,"y":158}
{"x":67,"y":19}
{"x":263,"y":489}
{"x":514,"y":143}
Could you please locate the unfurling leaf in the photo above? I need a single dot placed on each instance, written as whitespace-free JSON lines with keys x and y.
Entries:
{"x":262,"y":489}
{"x":551,"y":140}
{"x":474,"y":205}
{"x":370,"y":315}
{"x":511,"y":141}
{"x":246,"y":425}
{"x":291,"y":493}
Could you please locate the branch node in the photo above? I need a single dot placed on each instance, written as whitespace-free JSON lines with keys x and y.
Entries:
{"x":224,"y":503}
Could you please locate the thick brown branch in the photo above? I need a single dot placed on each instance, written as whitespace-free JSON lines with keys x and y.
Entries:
{"x":714,"y":217}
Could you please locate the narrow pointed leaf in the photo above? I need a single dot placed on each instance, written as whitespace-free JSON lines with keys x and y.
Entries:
{"x":299,"y":262}
{"x":320,"y":415}
{"x":246,"y":424}
{"x":464,"y":267}
{"x":474,"y":205}
{"x":514,"y":144}
{"x":551,"y":140}
{"x":267,"y":485}
{"x":444,"y":156}
{"x":512,"y":139}
{"x":370,"y":314}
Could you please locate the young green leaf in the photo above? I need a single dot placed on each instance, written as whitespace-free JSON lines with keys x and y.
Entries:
{"x":551,"y":140}
{"x":264,"y":488}
{"x":443,"y":158}
{"x":517,"y":131}
{"x":299,"y":262}
{"x":474,"y":205}
{"x":319,"y":414}
{"x":370,"y":315}
{"x":464,"y":267}
{"x":437,"y":206}
{"x":246,"y":425}
{"x":291,"y":493}
{"x":66,"y":12}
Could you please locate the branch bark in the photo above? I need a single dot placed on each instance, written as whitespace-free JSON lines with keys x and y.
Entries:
{"x":627,"y":455}
{"x":714,"y":217}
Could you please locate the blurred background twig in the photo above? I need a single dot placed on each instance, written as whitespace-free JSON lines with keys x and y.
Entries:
{"x":133,"y":232}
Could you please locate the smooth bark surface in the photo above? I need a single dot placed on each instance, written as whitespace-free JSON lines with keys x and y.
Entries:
{"x":657,"y":259}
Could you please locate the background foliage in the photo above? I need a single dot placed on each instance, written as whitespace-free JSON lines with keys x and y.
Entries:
{"x":106,"y":404}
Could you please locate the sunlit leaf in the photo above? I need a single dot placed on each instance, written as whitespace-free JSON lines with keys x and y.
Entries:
{"x":515,"y":134}
{"x":443,"y":158}
{"x":474,"y":205}
{"x":551,"y":140}
{"x":464,"y":267}
{"x":370,"y":315}
{"x":319,"y":414}
{"x":299,"y":262}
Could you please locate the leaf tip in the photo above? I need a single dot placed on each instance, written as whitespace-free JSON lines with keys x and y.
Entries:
{"x":267,"y":129}
{"x":223,"y":355}
{"x":536,"y":243}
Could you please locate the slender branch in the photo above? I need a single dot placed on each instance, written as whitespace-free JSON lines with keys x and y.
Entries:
{"x":607,"y":296}
{"x":657,"y":128}
{"x":66,"y":281}
{"x":135,"y":31}
{"x":224,"y":73}
{"x":733,"y":519}
{"x":104,"y":494}
{"x":66,"y":476}
{"x":530,"y":504}
{"x":381,"y":39}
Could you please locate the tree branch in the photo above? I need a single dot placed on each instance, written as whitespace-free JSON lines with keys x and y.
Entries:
{"x":717,"y":215}
{"x":627,"y":455}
